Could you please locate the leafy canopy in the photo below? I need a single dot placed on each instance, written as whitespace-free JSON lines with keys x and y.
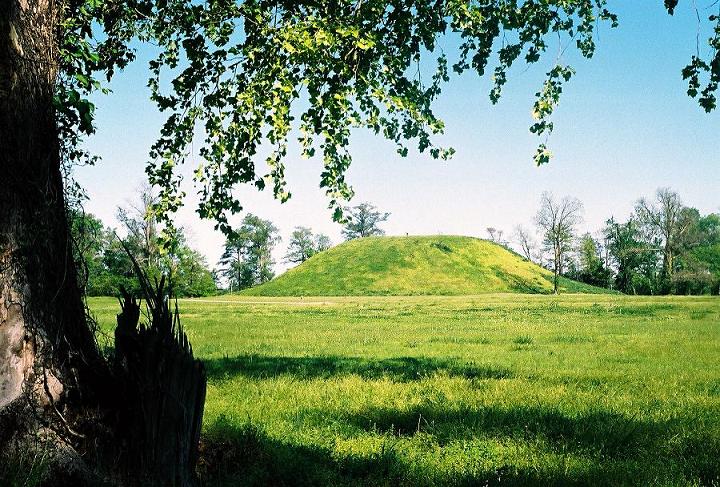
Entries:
{"x":364,"y":221}
{"x":241,"y":75}
{"x":247,"y":257}
{"x":304,"y":244}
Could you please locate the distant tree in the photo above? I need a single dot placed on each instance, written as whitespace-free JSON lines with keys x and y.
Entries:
{"x":635,"y":259}
{"x":363,"y":221}
{"x":304,"y":244}
{"x":140,"y":236}
{"x":492,"y":233}
{"x":496,"y":235}
{"x":105,"y":265}
{"x":591,"y":268}
{"x":322,"y":242}
{"x":141,"y":228}
{"x":709,"y":226}
{"x":189,"y":271}
{"x":247,"y":258}
{"x":698,"y":261}
{"x":557,"y":222}
{"x":89,"y":238}
{"x":669,"y":221}
{"x":522,"y":237}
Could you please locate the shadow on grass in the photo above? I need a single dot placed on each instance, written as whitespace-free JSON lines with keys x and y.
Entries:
{"x":245,"y":455}
{"x":600,"y":432}
{"x":401,"y":369}
{"x":587,"y":448}
{"x":518,"y":284}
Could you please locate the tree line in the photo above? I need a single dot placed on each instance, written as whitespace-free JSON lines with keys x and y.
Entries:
{"x":105,"y":260}
{"x":106,"y":265}
{"x":664,"y":247}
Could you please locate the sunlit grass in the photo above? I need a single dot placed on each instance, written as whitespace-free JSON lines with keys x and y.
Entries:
{"x":496,"y":389}
{"x":427,"y":265}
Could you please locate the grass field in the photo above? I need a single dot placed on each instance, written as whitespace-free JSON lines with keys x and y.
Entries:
{"x":484,"y":390}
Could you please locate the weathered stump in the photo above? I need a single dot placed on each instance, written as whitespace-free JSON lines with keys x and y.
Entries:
{"x":164,"y":389}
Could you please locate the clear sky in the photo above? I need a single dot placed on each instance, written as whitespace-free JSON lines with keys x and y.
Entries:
{"x":624,"y":128}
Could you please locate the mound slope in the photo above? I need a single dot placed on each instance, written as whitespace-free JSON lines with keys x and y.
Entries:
{"x":427,"y":265}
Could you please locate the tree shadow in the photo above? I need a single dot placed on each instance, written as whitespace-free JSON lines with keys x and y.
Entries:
{"x":615,"y":449}
{"x":622,"y":444}
{"x":400,"y":369}
{"x":518,"y":284}
{"x":601,"y":432}
{"x":244,"y":454}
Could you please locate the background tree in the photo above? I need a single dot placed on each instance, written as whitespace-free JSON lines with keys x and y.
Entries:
{"x":247,"y":258}
{"x":668,"y":220}
{"x":105,"y":266}
{"x":591,"y":268}
{"x":698,"y":262}
{"x":363,"y":221}
{"x":634,"y":259}
{"x":494,"y":234}
{"x":141,"y":229}
{"x":522,"y":237}
{"x":90,"y":238}
{"x":187,"y":269}
{"x":557,"y":222}
{"x":304,"y":244}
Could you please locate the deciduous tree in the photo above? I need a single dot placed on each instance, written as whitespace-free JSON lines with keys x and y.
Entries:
{"x":558,"y":221}
{"x":634,"y":259}
{"x":522,"y":237}
{"x":247,"y":259}
{"x":590,"y":265}
{"x":304,"y":244}
{"x":363,"y":221}
{"x":668,"y":220}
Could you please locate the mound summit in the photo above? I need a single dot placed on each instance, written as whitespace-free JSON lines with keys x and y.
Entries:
{"x":424,"y":265}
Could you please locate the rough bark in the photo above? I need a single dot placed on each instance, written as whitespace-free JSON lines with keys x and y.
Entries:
{"x":53,"y":380}
{"x":44,"y":336}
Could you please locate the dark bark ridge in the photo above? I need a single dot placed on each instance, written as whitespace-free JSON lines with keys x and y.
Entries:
{"x":134,"y":422}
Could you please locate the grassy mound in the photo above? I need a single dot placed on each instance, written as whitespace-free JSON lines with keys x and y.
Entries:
{"x":429,"y":265}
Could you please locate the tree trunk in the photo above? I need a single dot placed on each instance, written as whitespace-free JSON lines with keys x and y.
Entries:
{"x":45,"y":341}
{"x":556,"y":268}
{"x":52,"y":376}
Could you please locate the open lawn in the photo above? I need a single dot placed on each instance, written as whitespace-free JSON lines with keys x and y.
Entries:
{"x":491,"y":389}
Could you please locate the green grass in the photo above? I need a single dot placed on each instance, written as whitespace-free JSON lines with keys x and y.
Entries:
{"x":406,"y":266}
{"x":472,"y":390}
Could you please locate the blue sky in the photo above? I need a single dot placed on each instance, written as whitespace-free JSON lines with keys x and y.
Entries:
{"x":624,"y":128}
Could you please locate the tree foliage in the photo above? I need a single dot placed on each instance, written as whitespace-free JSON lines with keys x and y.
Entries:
{"x":669,"y":223}
{"x":665,"y":247}
{"x":633,"y":256}
{"x":304,"y":244}
{"x":247,"y":258}
{"x":590,"y":267}
{"x":106,"y":266}
{"x":363,"y":221}
{"x":245,"y":74}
